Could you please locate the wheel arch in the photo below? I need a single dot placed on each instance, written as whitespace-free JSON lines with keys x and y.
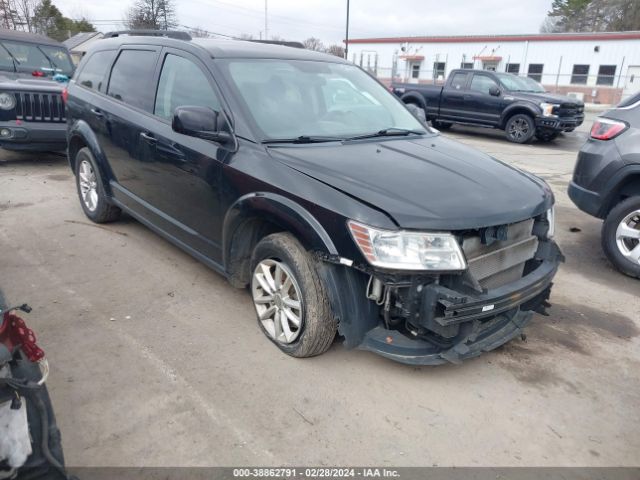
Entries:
{"x":416,"y":98}
{"x":80,"y":136}
{"x":626,"y":184}
{"x":256,"y":215}
{"x":516,"y":109}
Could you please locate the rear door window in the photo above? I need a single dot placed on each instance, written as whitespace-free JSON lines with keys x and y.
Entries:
{"x":458,"y":81}
{"x":182,"y":83}
{"x":131,"y":76}
{"x":94,"y":72}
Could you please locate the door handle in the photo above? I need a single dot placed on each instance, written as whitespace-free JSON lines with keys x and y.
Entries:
{"x":148,"y":138}
{"x":97,"y":112}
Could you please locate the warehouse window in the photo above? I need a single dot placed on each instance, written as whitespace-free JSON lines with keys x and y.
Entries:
{"x":467,"y":65}
{"x":513,"y":68}
{"x":415,"y":70}
{"x":606,"y":74}
{"x":580,"y":74}
{"x":535,"y":71}
{"x":438,"y":69}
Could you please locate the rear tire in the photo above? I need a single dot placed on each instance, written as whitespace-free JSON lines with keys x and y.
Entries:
{"x":93,"y":198}
{"x":620,"y":241}
{"x":520,"y":128}
{"x":290,"y":298}
{"x":441,"y":125}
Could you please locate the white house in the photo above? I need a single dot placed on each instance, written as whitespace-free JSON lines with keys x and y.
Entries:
{"x":598,"y":67}
{"x":79,"y":43}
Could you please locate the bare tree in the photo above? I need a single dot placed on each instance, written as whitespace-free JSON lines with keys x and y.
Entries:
{"x":337,"y":50}
{"x":24,"y":12}
{"x":313,"y":43}
{"x":197,"y":32}
{"x":151,"y":14}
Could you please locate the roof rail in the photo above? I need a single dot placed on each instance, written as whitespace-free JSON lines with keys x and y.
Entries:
{"x":280,"y":42}
{"x":178,"y":35}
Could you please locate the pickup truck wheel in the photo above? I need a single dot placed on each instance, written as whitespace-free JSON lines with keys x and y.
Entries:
{"x":290,"y":299}
{"x":547,"y":136}
{"x":520,"y":128}
{"x":441,"y":125}
{"x":621,"y":236}
{"x":93,"y":198}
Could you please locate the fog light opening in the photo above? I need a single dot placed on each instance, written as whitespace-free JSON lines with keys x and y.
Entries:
{"x":5,"y":132}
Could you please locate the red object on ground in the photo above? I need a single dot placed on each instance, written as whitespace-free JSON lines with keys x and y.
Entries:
{"x":14,"y":333}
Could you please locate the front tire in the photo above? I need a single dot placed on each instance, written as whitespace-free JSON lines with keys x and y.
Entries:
{"x":441,"y":125}
{"x":290,"y":299}
{"x":520,"y":128}
{"x":621,"y":236}
{"x":546,"y":136}
{"x":93,"y":198}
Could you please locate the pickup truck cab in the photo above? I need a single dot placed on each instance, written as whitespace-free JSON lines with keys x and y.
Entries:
{"x":33,"y":72}
{"x":518,"y":105}
{"x":297,"y":175}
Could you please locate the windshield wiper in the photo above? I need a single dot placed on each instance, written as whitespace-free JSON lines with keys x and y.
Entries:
{"x":389,"y":132}
{"x":304,"y":139}
{"x":51,"y":63}
{"x":13,"y":58}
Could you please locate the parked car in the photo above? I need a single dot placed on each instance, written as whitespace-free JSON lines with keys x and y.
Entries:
{"x":33,"y":72}
{"x":518,"y":105}
{"x":606,"y":183}
{"x":339,"y":210}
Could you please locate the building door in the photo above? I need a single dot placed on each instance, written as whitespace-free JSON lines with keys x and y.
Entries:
{"x":632,"y":82}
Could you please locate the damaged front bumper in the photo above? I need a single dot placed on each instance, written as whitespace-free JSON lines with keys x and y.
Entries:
{"x":451,"y":326}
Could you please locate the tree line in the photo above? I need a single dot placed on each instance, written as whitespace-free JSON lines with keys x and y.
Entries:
{"x":40,"y":16}
{"x":592,"y":16}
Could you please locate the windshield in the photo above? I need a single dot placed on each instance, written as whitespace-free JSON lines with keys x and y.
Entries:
{"x":29,"y":57}
{"x":519,"y":84}
{"x":296,"y":98}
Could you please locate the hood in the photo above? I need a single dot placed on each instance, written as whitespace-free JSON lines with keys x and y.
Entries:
{"x":430,"y":183}
{"x":546,"y":97}
{"x":17,"y":81}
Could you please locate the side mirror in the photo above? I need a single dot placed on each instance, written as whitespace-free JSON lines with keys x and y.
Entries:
{"x":417,"y":112}
{"x":494,"y":91}
{"x":200,"y":122}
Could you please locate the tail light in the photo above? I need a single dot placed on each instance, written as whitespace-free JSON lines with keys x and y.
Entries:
{"x":65,"y":95}
{"x":606,"y":129}
{"x":38,"y":73}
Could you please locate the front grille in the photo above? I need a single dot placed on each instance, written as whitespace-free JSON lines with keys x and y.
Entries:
{"x":569,"y":110}
{"x":40,"y":107}
{"x":503,"y":261}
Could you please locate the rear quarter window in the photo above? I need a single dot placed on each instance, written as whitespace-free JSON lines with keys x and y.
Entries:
{"x":94,"y":74}
{"x":131,"y":77}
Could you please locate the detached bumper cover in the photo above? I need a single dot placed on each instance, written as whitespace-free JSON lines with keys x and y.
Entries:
{"x":35,"y":136}
{"x":486,"y":320}
{"x":586,"y":200}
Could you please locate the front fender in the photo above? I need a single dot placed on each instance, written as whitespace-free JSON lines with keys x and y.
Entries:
{"x":80,"y":135}
{"x":519,"y":107}
{"x":280,"y":210}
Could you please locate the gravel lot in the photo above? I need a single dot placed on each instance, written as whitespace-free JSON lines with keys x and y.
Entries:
{"x":157,"y":361}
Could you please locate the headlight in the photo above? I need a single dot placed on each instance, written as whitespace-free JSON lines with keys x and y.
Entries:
{"x":551,"y":218}
{"x":403,"y":250}
{"x":547,"y":109}
{"x":7,"y":101}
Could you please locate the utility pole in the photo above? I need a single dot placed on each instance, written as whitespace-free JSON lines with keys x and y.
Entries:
{"x":346,"y":40}
{"x":266,"y":27}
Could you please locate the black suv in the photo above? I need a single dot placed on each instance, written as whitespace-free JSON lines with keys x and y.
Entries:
{"x":33,"y":72}
{"x":606,"y":182}
{"x":299,"y":175}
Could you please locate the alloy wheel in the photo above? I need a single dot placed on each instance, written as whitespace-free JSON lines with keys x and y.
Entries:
{"x":628,"y":237}
{"x":519,"y":129}
{"x":88,"y":185}
{"x":276,"y":296}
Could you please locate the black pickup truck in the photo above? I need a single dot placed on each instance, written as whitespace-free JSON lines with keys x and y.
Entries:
{"x":518,"y":105}
{"x":33,"y":73}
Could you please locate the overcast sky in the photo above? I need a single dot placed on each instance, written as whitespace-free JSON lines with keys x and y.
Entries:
{"x":325,"y":19}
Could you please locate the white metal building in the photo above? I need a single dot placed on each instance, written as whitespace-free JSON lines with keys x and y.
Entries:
{"x":597,"y":67}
